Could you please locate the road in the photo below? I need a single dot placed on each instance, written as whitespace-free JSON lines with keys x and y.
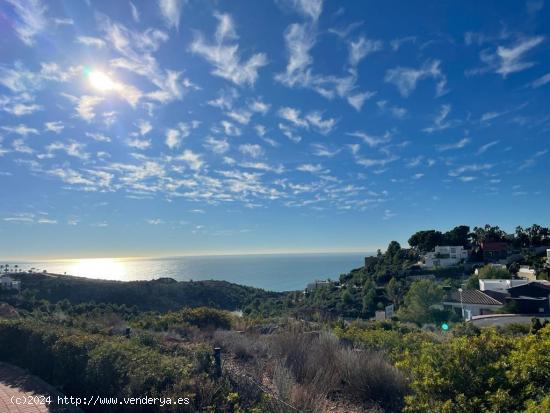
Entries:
{"x":502,"y":321}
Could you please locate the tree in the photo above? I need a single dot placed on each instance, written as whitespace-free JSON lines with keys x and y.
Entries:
{"x":490,"y":272}
{"x":394,"y":290}
{"x":458,"y":236}
{"x":369,"y":297}
{"x":419,"y":302}
{"x":425,"y":241}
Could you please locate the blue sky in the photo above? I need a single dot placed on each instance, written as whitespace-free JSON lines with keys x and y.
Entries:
{"x":171,"y":127}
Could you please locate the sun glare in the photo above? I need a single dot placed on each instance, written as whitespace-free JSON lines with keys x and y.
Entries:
{"x":101,"y":81}
{"x":105,"y":268}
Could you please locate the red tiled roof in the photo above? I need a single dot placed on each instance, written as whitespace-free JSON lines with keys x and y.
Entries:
{"x":494,"y":246}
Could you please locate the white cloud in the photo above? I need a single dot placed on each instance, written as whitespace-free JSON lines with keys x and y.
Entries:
{"x":371,"y":140}
{"x":21,"y":109}
{"x":388,"y":214}
{"x":144,"y":127}
{"x":225,"y":57}
{"x":20,"y":129}
{"x":192,"y":159}
{"x":98,"y":137}
{"x":311,"y":9}
{"x":322,"y":150}
{"x":311,"y":168}
{"x":299,"y":40}
{"x":484,"y":148}
{"x":440,"y":121}
{"x":46,"y":221}
{"x":218,"y":146}
{"x":139,"y":143}
{"x":20,"y":146}
{"x":361,"y":48}
{"x":63,"y":21}
{"x":457,"y":145}
{"x":173,"y":138}
{"x":70,"y":176}
{"x":230,"y":129}
{"x":395,"y":111}
{"x":137,"y":50}
{"x":71,"y":148}
{"x":155,"y":221}
{"x":91,"y":41}
{"x":470,"y":168}
{"x":541,"y":81}
{"x":507,"y":60}
{"x":135,"y":12}
{"x":262,"y":166}
{"x":357,"y":100}
{"x":406,"y":78}
{"x":259,"y":106}
{"x":30,"y":20}
{"x":86,"y":105}
{"x":323,"y":126}
{"x":293,"y":116}
{"x":171,"y":12}
{"x":55,"y":127}
{"x":252,"y":150}
{"x":240,"y":115}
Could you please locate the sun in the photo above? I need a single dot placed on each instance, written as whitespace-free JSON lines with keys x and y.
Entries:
{"x":101,"y":81}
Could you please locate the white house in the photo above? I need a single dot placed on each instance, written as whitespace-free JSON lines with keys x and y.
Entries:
{"x":502,"y":286}
{"x":317,"y":284}
{"x":445,"y":256}
{"x":527,"y":273}
{"x":8,"y":283}
{"x":469,"y":303}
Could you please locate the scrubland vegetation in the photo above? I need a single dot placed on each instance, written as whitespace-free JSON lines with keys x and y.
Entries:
{"x":276,"y":364}
{"x":309,"y":351}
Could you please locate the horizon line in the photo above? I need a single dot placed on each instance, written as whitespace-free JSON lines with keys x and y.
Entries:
{"x":369,"y":250}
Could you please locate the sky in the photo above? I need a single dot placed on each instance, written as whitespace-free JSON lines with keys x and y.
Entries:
{"x":172,"y":127}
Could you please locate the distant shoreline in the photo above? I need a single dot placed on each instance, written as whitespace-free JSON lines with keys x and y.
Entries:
{"x":12,"y":260}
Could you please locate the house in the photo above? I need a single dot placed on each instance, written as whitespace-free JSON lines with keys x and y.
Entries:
{"x":527,"y":273}
{"x":8,"y":283}
{"x":531,"y":298}
{"x":493,"y":265}
{"x":469,"y":303}
{"x":445,"y":256}
{"x":494,"y":251}
{"x":499,"y":285}
{"x":317,"y":284}
{"x":548,"y":257}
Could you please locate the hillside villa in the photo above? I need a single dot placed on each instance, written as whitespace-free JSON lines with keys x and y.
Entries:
{"x":445,"y":256}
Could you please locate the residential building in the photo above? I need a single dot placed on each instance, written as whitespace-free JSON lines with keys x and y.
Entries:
{"x":499,"y":285}
{"x":494,"y":251}
{"x":527,"y":273}
{"x":531,"y":298}
{"x":469,"y":303}
{"x":8,"y":283}
{"x":445,"y":256}
{"x":317,"y":284}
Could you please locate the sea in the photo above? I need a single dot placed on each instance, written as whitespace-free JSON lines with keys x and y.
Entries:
{"x":273,"y":272}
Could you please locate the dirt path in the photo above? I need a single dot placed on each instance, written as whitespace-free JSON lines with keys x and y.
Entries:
{"x":21,"y":392}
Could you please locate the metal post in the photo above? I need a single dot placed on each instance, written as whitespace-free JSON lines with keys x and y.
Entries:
{"x":461,"y":302}
{"x":217,"y":361}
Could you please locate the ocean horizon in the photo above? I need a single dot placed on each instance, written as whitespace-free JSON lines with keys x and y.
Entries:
{"x":274,"y":272}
